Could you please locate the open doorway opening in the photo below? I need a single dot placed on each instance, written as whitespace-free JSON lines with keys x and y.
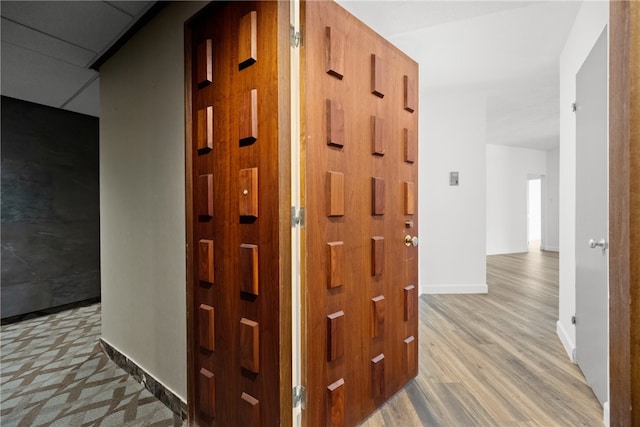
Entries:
{"x":534,"y":213}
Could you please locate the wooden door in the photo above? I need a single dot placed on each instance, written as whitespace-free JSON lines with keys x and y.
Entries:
{"x":238,"y":220}
{"x":360,"y":129}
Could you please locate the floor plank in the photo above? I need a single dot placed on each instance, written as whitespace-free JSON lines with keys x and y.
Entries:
{"x":495,"y":359}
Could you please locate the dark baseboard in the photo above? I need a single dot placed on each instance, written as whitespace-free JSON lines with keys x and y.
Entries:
{"x":49,"y":310}
{"x":156,"y":388}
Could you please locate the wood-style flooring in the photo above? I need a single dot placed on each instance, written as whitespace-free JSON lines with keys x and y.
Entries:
{"x":495,"y":359}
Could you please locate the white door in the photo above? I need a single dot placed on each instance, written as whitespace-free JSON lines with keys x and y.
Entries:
{"x":592,"y":293}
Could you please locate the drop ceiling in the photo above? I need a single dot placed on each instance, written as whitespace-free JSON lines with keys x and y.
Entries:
{"x":48,"y":47}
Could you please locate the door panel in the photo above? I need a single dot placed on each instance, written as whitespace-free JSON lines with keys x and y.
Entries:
{"x":240,"y":337}
{"x":592,"y":294}
{"x":360,"y":170}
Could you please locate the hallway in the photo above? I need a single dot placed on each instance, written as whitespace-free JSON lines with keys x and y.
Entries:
{"x":495,"y":359}
{"x":485,"y":360}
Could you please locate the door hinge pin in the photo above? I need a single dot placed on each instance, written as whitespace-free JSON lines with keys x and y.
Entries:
{"x":297,"y":217}
{"x":295,"y":36}
{"x":299,"y":396}
{"x":574,"y":107}
{"x":573,"y":319}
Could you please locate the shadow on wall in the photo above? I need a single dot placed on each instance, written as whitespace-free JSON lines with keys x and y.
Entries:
{"x":50,"y":208}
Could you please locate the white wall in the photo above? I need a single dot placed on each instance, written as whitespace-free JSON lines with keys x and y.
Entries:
{"x":507,"y":175}
{"x":550,"y":231}
{"x":452,"y":219}
{"x":142,"y":198}
{"x":590,"y":21}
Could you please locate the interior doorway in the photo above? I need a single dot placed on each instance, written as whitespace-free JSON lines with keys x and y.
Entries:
{"x":534,"y":213}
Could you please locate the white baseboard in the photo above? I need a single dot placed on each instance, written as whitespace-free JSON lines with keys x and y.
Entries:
{"x":606,"y":414}
{"x":454,"y":289}
{"x":551,"y":248}
{"x":508,"y":251}
{"x":568,"y":345}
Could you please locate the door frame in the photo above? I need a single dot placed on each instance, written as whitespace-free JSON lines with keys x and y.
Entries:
{"x":624,"y":213}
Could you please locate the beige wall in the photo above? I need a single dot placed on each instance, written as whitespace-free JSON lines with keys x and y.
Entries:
{"x":142,"y":198}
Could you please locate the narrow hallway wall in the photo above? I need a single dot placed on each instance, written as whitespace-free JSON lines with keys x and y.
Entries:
{"x":142,"y":193}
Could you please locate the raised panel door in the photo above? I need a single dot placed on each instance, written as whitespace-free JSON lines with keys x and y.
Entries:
{"x":360,"y":121}
{"x":239,"y":334}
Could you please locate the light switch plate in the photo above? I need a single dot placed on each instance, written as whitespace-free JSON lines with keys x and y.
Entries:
{"x":453,"y":178}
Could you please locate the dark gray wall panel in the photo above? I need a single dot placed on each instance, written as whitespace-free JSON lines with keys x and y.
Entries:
{"x":50,"y":208}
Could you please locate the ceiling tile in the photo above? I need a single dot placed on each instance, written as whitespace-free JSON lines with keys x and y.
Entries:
{"x":89,"y":24}
{"x":27,"y":38}
{"x":132,"y":8}
{"x":87,"y":101}
{"x":38,"y":78}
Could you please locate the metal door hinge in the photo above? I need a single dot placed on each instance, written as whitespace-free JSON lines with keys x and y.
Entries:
{"x":574,"y":107}
{"x":573,"y":319}
{"x":299,"y":396}
{"x":297,"y":217}
{"x":295,"y":36}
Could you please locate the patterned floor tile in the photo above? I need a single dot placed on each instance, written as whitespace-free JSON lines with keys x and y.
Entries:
{"x":53,"y":373}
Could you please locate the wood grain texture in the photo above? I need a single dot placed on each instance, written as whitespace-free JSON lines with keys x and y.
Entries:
{"x":377,"y":316}
{"x":624,"y":213}
{"x":411,"y":354}
{"x":409,"y":198}
{"x":377,"y":136}
{"x":249,"y":410}
{"x":205,"y":196}
{"x":378,"y":76}
{"x":410,"y":94}
{"x":377,"y":255}
{"x":377,"y":196}
{"x":335,"y":52}
{"x":354,"y":226}
{"x":249,"y":265}
{"x":207,"y":393}
{"x":410,"y":145}
{"x":248,"y":118}
{"x":205,"y":129}
{"x":248,"y":40}
{"x":204,"y":67}
{"x":494,"y":359}
{"x":205,"y":261}
{"x":410,"y":303}
{"x":336,"y":264}
{"x":248,"y":197}
{"x":335,"y":335}
{"x":190,"y":80}
{"x":271,"y":232}
{"x":336,"y":403}
{"x":207,"y":327}
{"x":335,"y":124}
{"x":335,"y":193}
{"x":377,"y":377}
{"x":250,"y":345}
{"x":634,"y":205}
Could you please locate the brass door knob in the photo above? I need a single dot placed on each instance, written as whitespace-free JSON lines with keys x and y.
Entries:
{"x":410,"y":241}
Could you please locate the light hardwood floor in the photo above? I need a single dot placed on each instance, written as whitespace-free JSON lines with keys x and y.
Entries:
{"x":495,"y":359}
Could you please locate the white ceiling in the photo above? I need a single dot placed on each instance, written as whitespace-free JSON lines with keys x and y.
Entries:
{"x":48,"y":46}
{"x":509,"y":49}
